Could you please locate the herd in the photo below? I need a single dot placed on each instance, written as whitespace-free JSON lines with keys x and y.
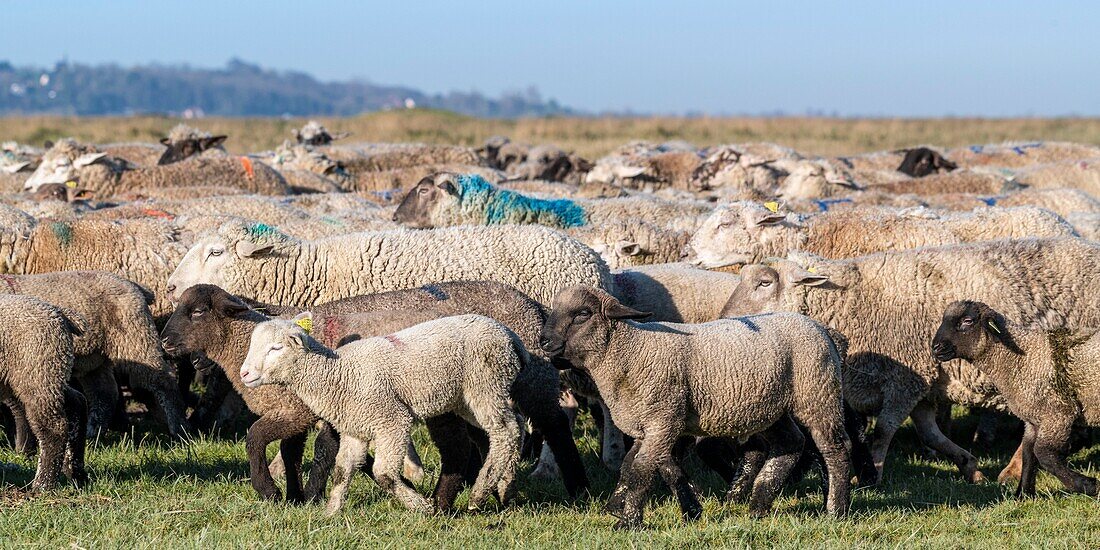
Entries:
{"x":745,"y":303}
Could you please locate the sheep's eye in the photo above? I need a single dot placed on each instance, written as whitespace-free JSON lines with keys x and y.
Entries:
{"x":216,"y":251}
{"x":966,"y":322}
{"x":764,"y":284}
{"x":197,"y":313}
{"x":724,"y":225}
{"x":423,"y":191}
{"x":276,"y":347}
{"x":582,"y":316}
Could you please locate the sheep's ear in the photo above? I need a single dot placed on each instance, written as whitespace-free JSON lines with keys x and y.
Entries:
{"x":248,"y":249}
{"x":48,"y":144}
{"x":628,"y":248}
{"x":212,"y":142}
{"x":88,"y":159}
{"x":448,"y":187}
{"x":165,"y":141}
{"x":807,"y":278}
{"x":230,"y":305}
{"x":296,"y":339}
{"x":612,"y":309}
{"x":628,"y":171}
{"x":762,"y":219}
{"x":304,"y":320}
{"x":996,"y":327}
{"x":13,"y":168}
{"x":82,"y":194}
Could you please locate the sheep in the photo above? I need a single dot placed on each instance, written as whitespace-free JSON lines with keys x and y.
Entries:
{"x":446,"y":199}
{"x":313,"y":133}
{"x":373,"y":389}
{"x":107,"y":176}
{"x":1086,"y":224}
{"x":306,"y":169}
{"x":556,"y":190}
{"x":813,"y":182}
{"x":1078,"y":174}
{"x":648,"y":167}
{"x":500,"y":152}
{"x":537,"y":387}
{"x":117,"y":335}
{"x":387,"y":184}
{"x":17,"y":163}
{"x":378,"y":157}
{"x":183,"y":142}
{"x":632,"y":242}
{"x":260,"y":262}
{"x":1019,"y":154}
{"x":675,"y":293}
{"x":664,"y":380}
{"x":922,"y":161}
{"x":178,"y":193}
{"x":1047,"y":377}
{"x":136,"y":154}
{"x":888,"y":303}
{"x":37,"y":347}
{"x":746,"y":232}
{"x":1060,"y":201}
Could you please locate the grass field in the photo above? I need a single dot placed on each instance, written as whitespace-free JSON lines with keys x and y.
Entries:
{"x":147,"y":491}
{"x":591,"y":137}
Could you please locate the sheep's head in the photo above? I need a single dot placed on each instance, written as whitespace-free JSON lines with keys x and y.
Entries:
{"x":923,"y":161}
{"x":777,"y":286}
{"x":489,"y":152}
{"x":315,"y":134}
{"x":184,"y":142}
{"x":814,"y":180}
{"x":740,"y":233}
{"x":275,"y":349}
{"x":303,"y":157}
{"x":614,"y":171}
{"x":199,"y":321}
{"x":625,"y":244}
{"x":546,"y":162}
{"x":968,"y":330}
{"x":67,"y":192}
{"x":580,"y":323}
{"x":220,"y":258}
{"x":425,"y":203}
{"x":63,"y":163}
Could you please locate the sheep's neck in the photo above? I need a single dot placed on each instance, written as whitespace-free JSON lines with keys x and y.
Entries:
{"x":1002,"y":365}
{"x":317,"y":381}
{"x":613,"y":368}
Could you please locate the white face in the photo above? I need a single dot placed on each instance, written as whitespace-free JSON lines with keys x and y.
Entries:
{"x":58,"y":169}
{"x":267,"y":355}
{"x":204,"y":263}
{"x":721,"y":240}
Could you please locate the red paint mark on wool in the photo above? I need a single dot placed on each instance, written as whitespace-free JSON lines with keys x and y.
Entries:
{"x":10,"y":281}
{"x":155,"y":213}
{"x":331,"y":329}
{"x":248,"y":171}
{"x":393,"y":339}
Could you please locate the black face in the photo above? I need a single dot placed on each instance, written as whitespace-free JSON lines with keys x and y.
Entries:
{"x":185,"y":149}
{"x":199,"y":320}
{"x":966,"y":328}
{"x":52,"y":192}
{"x":579,"y":323}
{"x":923,"y":161}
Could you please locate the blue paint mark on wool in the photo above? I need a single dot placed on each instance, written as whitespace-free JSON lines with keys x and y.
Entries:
{"x":504,"y":206}
{"x":824,"y":204}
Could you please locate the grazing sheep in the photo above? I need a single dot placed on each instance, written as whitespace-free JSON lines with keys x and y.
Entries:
{"x":675,"y":293}
{"x":184,"y":142}
{"x":1019,"y":154}
{"x":117,"y":335}
{"x":664,"y":380}
{"x":1049,"y":379}
{"x":922,"y":161}
{"x":37,"y":347}
{"x":373,"y":389}
{"x":888,"y":304}
{"x":260,"y":262}
{"x":446,"y":199}
{"x":746,"y":232}
{"x":108,"y":176}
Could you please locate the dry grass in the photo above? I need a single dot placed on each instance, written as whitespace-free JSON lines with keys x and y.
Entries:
{"x":592,"y":137}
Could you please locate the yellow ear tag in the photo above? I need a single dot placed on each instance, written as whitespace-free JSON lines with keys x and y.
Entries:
{"x":811,"y":269}
{"x":994,"y":327}
{"x":773,"y":206}
{"x":306,"y":324}
{"x":70,"y":184}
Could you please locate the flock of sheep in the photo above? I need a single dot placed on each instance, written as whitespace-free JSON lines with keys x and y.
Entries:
{"x":747,"y":303}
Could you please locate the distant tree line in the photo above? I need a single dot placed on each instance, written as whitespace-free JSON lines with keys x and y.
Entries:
{"x":239,"y":89}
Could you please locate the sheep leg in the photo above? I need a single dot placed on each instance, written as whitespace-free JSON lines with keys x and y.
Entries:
{"x":886,"y":425}
{"x":862,"y":461}
{"x":261,"y":434}
{"x":1051,"y":445}
{"x":76,"y":411}
{"x":614,"y":445}
{"x":292,"y":448}
{"x":924,"y":417}
{"x":832,"y":443}
{"x":785,"y":443}
{"x":25,"y":442}
{"x":325,"y":447}
{"x":451,"y":438}
{"x":617,"y":501}
{"x":412,"y":468}
{"x":716,"y":452}
{"x":551,"y":421}
{"x":1014,"y":467}
{"x":680,"y":485}
{"x":389,"y":456}
{"x":752,"y":461}
{"x":47,"y":420}
{"x":498,"y":474}
{"x":1029,"y":464}
{"x":348,"y":459}
{"x":638,"y":480}
{"x":101,"y":392}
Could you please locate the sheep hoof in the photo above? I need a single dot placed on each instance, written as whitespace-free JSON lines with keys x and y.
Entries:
{"x":626,"y":525}
{"x":976,"y":477}
{"x":1009,"y":474}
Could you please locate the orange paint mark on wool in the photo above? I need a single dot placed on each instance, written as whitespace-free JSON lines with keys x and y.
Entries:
{"x":155,"y":213}
{"x":248,"y":171}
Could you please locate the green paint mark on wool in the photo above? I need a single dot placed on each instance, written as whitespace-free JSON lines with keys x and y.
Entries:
{"x":257,"y":230}
{"x":63,"y":232}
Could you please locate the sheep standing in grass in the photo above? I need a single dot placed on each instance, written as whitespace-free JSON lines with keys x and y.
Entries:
{"x":37,"y":349}
{"x":1049,"y":378}
{"x":662,"y":381}
{"x":374,"y":389}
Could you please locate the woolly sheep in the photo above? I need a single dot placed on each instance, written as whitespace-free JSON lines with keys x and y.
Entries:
{"x":373,"y":389}
{"x":1081,"y":174}
{"x":1018,"y":154}
{"x":107,"y":176}
{"x":676,"y":293}
{"x":747,"y":232}
{"x":1086,"y":224}
{"x":1049,"y":379}
{"x":37,"y":349}
{"x":646,"y":166}
{"x":446,"y":199}
{"x":260,"y":262}
{"x":632,"y":242}
{"x":664,"y":380}
{"x":888,"y":304}
{"x":184,"y":142}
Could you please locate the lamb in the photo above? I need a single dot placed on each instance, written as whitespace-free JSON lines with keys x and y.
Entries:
{"x":675,"y":293}
{"x":374,"y":388}
{"x":107,"y":176}
{"x":1019,"y":154}
{"x":1049,"y":379}
{"x":37,"y":347}
{"x":888,"y":304}
{"x":664,"y":380}
{"x":537,"y":387}
{"x":746,"y":232}
{"x":184,"y":142}
{"x":446,"y":199}
{"x":117,"y":335}
{"x":260,"y":262}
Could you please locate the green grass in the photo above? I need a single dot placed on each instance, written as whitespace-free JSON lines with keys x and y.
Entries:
{"x":147,"y":491}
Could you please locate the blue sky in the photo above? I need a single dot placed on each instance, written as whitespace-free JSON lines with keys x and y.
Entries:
{"x":911,"y":58}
